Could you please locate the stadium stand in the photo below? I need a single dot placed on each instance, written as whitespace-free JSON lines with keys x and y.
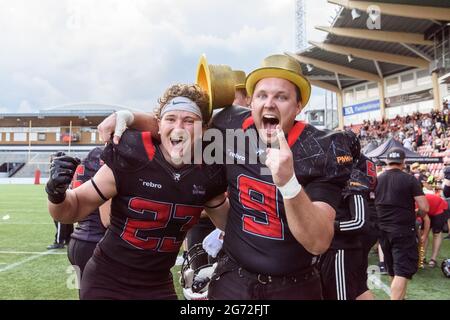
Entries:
{"x":382,"y":58}
{"x":428,"y":134}
{"x":27,"y":140}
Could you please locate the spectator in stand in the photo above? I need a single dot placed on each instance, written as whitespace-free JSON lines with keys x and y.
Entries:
{"x":407,"y":142}
{"x":423,"y":175}
{"x":428,"y":185}
{"x":419,"y":137}
{"x":446,"y":113}
{"x":363,"y":132}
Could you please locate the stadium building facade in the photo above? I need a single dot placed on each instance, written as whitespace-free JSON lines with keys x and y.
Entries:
{"x":383,"y":58}
{"x":27,"y":140}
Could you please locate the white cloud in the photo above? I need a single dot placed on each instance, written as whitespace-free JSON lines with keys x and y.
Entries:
{"x":128,"y":52}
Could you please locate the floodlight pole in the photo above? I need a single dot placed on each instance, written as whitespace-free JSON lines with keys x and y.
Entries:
{"x":29,"y":142}
{"x":70,"y":135}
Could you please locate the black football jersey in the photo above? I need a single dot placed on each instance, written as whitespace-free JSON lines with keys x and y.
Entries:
{"x":90,"y":229}
{"x":353,"y":214}
{"x":257,"y":235}
{"x":156,"y":204}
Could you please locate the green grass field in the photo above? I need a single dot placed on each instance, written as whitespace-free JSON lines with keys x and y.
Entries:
{"x":29,"y":271}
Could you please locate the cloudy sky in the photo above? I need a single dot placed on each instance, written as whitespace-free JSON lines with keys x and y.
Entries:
{"x":127,"y":52}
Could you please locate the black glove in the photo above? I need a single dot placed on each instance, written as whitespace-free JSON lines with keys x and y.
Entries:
{"x":62,"y":170}
{"x":447,"y":173}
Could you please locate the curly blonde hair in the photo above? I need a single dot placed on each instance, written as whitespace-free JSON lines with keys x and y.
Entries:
{"x":190,"y":91}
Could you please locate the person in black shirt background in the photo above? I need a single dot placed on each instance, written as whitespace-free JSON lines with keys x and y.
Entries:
{"x":395,"y":193}
{"x":91,"y":230}
{"x":63,"y":231}
{"x":343,"y":267}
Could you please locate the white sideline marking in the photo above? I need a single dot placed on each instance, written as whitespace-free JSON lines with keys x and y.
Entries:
{"x":18,"y":263}
{"x":29,"y":252}
{"x":25,"y":223}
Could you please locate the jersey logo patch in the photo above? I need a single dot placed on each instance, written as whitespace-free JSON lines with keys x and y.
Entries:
{"x":236,"y":155}
{"x":198,"y":190}
{"x":150,"y":184}
{"x":344,"y":159}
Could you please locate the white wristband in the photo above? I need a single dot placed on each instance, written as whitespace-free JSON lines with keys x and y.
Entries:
{"x":291,"y":189}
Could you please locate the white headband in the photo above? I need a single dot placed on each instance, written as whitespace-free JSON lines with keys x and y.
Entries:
{"x":182,"y":104}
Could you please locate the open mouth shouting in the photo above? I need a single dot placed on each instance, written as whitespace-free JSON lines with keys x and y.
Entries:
{"x":180,"y":144}
{"x":176,"y":141}
{"x":270,"y":122}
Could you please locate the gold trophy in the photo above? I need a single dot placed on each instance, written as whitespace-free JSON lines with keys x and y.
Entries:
{"x":218,"y":81}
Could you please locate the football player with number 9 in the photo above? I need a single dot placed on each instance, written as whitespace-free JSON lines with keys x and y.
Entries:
{"x":282,"y":207}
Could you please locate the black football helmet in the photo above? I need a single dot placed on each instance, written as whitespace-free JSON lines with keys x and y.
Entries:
{"x":196,"y":273}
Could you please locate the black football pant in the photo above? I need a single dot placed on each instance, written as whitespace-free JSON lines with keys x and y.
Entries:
{"x":106,"y":279}
{"x":63,"y":232}
{"x":230,"y":282}
{"x":79,"y":252}
{"x":343,"y":273}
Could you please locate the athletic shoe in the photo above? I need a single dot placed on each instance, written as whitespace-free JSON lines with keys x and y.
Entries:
{"x":55,"y":246}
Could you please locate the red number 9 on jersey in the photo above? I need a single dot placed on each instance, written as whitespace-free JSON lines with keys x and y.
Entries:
{"x":260,"y":196}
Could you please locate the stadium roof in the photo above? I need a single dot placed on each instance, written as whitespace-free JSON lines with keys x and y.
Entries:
{"x":73,"y":109}
{"x":81,"y":114}
{"x":87,"y":107}
{"x":353,"y":53}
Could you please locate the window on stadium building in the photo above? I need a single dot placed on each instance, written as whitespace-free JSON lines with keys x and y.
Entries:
{"x":361,"y":93}
{"x":33,"y":136}
{"x":348,"y":97}
{"x":423,"y":77}
{"x":41,"y":136}
{"x":372,"y":90}
{"x":392,"y":85}
{"x":20,"y":136}
{"x":407,"y":80}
